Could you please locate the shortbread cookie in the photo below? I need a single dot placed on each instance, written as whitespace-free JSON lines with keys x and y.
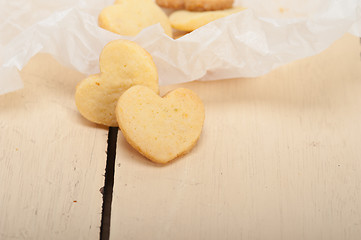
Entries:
{"x":207,"y":5}
{"x":174,"y":4}
{"x":196,"y":5}
{"x":188,"y":21}
{"x":123,"y":64}
{"x":129,"y":17}
{"x":161,"y":129}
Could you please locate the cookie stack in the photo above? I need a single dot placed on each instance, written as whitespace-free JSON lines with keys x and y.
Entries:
{"x":129,"y":17}
{"x":125,"y":94}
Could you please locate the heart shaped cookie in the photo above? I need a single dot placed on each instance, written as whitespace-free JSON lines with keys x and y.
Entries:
{"x":123,"y":64}
{"x":129,"y":17}
{"x":161,"y":129}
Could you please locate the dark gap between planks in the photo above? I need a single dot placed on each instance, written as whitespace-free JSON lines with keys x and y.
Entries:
{"x":108,"y":184}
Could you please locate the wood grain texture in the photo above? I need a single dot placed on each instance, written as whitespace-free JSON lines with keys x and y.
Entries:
{"x":52,"y":160}
{"x":279,"y":158}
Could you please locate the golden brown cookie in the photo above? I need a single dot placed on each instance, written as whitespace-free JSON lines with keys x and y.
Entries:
{"x":123,"y":64}
{"x":207,"y":5}
{"x":129,"y":17}
{"x":188,"y":21}
{"x":161,"y":129}
{"x":174,"y":4}
{"x":196,"y":5}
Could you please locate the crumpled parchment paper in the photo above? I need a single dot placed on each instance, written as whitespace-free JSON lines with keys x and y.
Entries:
{"x":251,"y":43}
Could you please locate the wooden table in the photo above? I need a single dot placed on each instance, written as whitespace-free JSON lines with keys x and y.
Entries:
{"x":279,"y":158}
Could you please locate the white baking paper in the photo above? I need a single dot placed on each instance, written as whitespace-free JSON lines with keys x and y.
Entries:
{"x":251,"y":43}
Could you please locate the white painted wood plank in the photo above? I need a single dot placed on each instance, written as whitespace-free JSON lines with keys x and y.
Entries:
{"x":52,"y":161}
{"x":279,"y":158}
